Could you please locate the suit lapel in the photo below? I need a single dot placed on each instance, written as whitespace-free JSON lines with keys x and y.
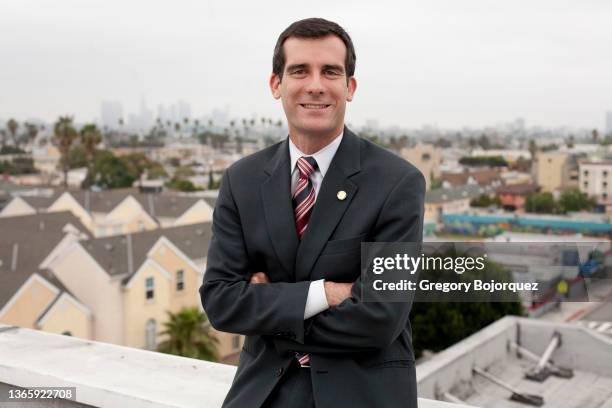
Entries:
{"x":328,"y":209}
{"x":278,"y":210}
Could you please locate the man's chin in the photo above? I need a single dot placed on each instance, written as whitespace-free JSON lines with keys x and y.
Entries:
{"x":318,"y":130}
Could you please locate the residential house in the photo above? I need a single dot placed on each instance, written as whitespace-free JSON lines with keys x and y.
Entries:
{"x":451,"y":200}
{"x":514,"y":196}
{"x":121,"y":211}
{"x":594,"y":180}
{"x":30,"y":296}
{"x":130,"y":283}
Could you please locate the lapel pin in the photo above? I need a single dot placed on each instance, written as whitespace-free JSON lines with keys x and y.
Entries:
{"x":341,"y":195}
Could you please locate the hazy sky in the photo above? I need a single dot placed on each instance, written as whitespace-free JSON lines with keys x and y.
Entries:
{"x":444,"y":62}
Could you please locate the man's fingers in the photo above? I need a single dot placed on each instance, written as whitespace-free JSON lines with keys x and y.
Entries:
{"x":259,"y":277}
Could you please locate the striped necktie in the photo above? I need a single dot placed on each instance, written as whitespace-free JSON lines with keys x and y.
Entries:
{"x":304,"y":196}
{"x":303,"y":201}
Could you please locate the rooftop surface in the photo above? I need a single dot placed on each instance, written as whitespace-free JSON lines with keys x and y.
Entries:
{"x":493,"y":350}
{"x":107,"y":375}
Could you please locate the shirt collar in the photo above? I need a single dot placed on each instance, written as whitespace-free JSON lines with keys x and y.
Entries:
{"x":323,"y":156}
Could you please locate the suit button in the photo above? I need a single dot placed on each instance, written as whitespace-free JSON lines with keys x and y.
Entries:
{"x":279,"y":371}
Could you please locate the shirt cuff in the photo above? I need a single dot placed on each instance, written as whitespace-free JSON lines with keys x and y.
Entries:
{"x":316,"y":302}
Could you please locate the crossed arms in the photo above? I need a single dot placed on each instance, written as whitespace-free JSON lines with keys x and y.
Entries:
{"x":235,"y":303}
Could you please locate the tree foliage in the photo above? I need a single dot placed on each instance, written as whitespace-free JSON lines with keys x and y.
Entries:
{"x":109,"y":171}
{"x":484,"y":200}
{"x":437,"y":325}
{"x":491,"y":161}
{"x":189,"y":335}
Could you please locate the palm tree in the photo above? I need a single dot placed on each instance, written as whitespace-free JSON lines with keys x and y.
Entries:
{"x":90,"y":138}
{"x":189,"y":335}
{"x":64,"y":134}
{"x":12,"y":126}
{"x":31,"y":132}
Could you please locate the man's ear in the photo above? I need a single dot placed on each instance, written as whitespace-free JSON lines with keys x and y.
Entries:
{"x":352,"y":87}
{"x":275,"y":86}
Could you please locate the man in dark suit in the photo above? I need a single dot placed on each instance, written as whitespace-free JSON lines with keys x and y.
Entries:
{"x":283,"y":265}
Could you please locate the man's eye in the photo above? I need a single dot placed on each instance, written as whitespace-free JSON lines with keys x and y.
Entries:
{"x":331,"y":72}
{"x":298,"y":71}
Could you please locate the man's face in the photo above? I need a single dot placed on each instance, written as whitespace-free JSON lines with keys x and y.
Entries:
{"x":314,"y":88}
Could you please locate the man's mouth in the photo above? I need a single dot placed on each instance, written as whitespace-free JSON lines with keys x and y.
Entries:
{"x":314,"y":105}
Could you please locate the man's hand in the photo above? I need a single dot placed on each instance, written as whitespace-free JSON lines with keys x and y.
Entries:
{"x":259,"y":277}
{"x":336,"y":292}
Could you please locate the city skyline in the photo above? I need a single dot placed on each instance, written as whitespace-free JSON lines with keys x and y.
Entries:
{"x":468,"y":64}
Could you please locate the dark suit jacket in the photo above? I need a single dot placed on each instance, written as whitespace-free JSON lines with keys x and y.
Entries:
{"x":361,"y":353}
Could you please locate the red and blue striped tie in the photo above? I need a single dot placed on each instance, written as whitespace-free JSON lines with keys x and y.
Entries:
{"x":303,"y":201}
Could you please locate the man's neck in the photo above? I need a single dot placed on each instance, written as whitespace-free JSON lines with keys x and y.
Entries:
{"x":312,"y":143}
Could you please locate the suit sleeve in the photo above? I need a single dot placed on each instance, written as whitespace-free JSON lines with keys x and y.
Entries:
{"x":231,"y":303}
{"x":355,"y":325}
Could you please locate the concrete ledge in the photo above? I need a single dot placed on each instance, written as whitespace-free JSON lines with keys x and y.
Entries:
{"x":106,"y":375}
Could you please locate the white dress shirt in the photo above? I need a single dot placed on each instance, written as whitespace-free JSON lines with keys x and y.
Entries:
{"x":316,"y":302}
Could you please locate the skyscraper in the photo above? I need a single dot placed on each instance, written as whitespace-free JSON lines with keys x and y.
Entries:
{"x":608,"y":122}
{"x":110,"y":113}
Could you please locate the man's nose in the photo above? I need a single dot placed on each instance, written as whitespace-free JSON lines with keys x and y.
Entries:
{"x":315,"y":85}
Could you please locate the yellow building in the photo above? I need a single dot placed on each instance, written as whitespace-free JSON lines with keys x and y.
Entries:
{"x":55,"y":277}
{"x":134,"y":280}
{"x":427,"y":158}
{"x":556,"y":171}
{"x":30,"y":296}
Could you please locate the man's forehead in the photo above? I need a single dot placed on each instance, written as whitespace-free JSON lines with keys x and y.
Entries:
{"x":325,"y":50}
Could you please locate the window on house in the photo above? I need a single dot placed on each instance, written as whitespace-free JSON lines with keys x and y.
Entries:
{"x":235,"y":342}
{"x":425,"y":156}
{"x":150,"y":334}
{"x":180,"y":280}
{"x":605,"y":184}
{"x":586,"y":184}
{"x":150,"y":286}
{"x":605,"y":173}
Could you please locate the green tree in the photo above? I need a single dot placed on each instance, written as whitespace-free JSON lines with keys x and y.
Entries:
{"x":12,"y":126}
{"x":77,"y":157}
{"x":484,"y":200}
{"x":574,"y":200}
{"x":542,"y":203}
{"x":11,"y":150}
{"x":109,"y":171}
{"x":31,"y":132}
{"x":137,"y":164}
{"x":533,"y":148}
{"x":90,"y":138}
{"x":183,"y":172}
{"x":182,"y":185}
{"x":64,"y":135}
{"x":189,"y":335}
{"x":484,"y":142}
{"x":491,"y":161}
{"x":437,"y":325}
{"x":156,"y":171}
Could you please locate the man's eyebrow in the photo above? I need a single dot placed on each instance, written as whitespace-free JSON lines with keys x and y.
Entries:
{"x":333,"y":67}
{"x":296,"y":66}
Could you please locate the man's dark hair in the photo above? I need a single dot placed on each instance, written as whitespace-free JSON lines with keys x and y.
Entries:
{"x":313,"y":28}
